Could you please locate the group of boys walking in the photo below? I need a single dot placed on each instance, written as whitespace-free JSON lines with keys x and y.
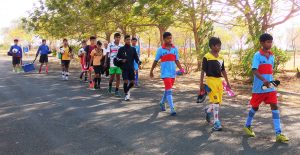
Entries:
{"x":117,"y":59}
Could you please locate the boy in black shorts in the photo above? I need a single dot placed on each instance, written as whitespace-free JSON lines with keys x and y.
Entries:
{"x":66,"y":52}
{"x":96,"y":58}
{"x":16,"y":52}
{"x":127,"y":55}
{"x":43,"y":50}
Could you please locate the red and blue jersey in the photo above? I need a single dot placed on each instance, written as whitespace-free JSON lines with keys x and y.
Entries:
{"x":264,"y":65}
{"x":168,"y":58}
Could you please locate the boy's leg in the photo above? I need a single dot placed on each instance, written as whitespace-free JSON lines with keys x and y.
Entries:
{"x":255,"y":101}
{"x":67,"y":71}
{"x":136,"y":82}
{"x":47,"y":69}
{"x":40,"y":69}
{"x":63,"y":69}
{"x":112,"y":77}
{"x":99,"y":80}
{"x":168,"y":88}
{"x":118,"y":79}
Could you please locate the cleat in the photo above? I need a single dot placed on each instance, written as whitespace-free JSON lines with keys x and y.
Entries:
{"x":280,"y":138}
{"x":173,"y":112}
{"x":217,"y":126}
{"x":162,"y":106}
{"x":249,"y":131}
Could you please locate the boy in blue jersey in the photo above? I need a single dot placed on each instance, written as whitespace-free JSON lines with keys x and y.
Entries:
{"x":136,"y":65}
{"x":43,"y":50}
{"x":168,"y":54}
{"x":16,"y":52}
{"x":262,"y":66}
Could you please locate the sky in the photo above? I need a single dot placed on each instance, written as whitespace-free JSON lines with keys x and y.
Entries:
{"x":11,"y":10}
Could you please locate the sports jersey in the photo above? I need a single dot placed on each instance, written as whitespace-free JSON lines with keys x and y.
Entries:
{"x":213,"y":66}
{"x":113,"y":51}
{"x":43,"y":49}
{"x":264,"y":65}
{"x":16,"y":51}
{"x":98,"y":55}
{"x":88,"y":49}
{"x":66,"y":52}
{"x":168,"y":58}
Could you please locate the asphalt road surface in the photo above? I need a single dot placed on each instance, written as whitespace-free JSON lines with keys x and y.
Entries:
{"x":41,"y":114}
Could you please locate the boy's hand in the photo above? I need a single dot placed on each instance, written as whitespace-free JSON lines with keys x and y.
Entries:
{"x":151,"y":74}
{"x":267,"y":83}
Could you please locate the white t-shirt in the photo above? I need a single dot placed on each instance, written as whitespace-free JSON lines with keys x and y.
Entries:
{"x":105,"y":50}
{"x":113,"y":51}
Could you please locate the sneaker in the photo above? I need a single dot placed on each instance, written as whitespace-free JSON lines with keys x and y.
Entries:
{"x":282,"y":138}
{"x":109,"y":90}
{"x":63,"y":77}
{"x":162,"y":106}
{"x":14,"y":70}
{"x":117,"y":94}
{"x":173,"y":112}
{"x":66,"y":78}
{"x":217,"y":126}
{"x":249,"y":131}
{"x":207,"y":115}
{"x":127,"y":97}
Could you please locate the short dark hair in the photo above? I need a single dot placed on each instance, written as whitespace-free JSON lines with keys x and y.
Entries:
{"x":43,"y":40}
{"x":117,"y":35}
{"x":213,"y":41}
{"x":92,"y":38}
{"x":99,"y":43}
{"x":264,"y":37}
{"x":166,"y":34}
{"x":83,"y":41}
{"x":127,"y":36}
{"x":134,"y":38}
{"x":16,"y":39}
{"x":65,"y":39}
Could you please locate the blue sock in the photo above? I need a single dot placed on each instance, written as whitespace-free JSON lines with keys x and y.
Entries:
{"x":250,"y":117}
{"x":163,"y":100}
{"x":276,"y":121}
{"x":170,"y":99}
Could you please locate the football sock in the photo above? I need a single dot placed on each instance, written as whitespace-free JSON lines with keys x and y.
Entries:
{"x":81,"y":75}
{"x":95,"y":80}
{"x":216,"y":112}
{"x":40,"y":70}
{"x":125,"y":86}
{"x":99,"y":81}
{"x":130,"y":86}
{"x":210,"y":108}
{"x":276,"y":121}
{"x":163,"y":100}
{"x":117,"y":89}
{"x":47,"y":69}
{"x":250,"y":117}
{"x":170,"y":99}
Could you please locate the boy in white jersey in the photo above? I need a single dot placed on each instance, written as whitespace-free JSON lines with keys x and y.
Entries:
{"x":114,"y":71}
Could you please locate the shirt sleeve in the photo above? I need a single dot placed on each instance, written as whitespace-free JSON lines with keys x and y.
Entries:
{"x":158,"y":55}
{"x":204,"y":64}
{"x":255,"y":62}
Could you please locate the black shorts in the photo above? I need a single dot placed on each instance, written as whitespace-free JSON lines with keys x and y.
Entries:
{"x":16,"y":60}
{"x":44,"y":58}
{"x":128,"y":75}
{"x":97,"y":69}
{"x":65,"y":62}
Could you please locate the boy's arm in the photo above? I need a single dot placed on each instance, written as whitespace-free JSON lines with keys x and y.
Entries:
{"x":178,"y":64}
{"x":224,"y":73}
{"x":152,"y":68}
{"x":136,"y":57}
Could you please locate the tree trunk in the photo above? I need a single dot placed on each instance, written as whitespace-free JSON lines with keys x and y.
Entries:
{"x":161,"y":32}
{"x":107,"y":36}
{"x":149,"y":47}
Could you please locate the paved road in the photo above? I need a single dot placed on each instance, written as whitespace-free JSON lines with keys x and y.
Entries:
{"x":40,"y":114}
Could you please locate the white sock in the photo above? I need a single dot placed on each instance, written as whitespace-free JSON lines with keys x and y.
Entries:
{"x":216,"y":112}
{"x":209,"y":108}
